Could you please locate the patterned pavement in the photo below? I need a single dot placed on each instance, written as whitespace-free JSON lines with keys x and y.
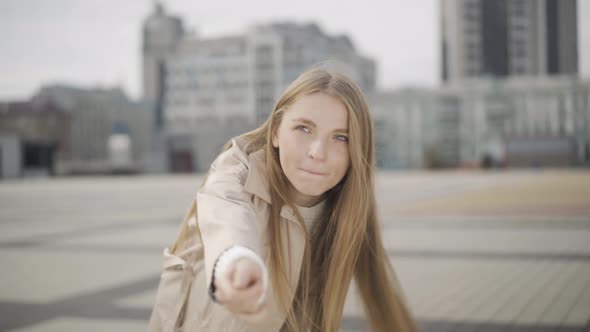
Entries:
{"x":474,"y":251}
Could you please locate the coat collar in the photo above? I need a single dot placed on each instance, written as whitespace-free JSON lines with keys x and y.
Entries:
{"x":257,"y":180}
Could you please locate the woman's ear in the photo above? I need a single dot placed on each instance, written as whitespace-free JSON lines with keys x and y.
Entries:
{"x":276,"y":123}
{"x":275,"y":139}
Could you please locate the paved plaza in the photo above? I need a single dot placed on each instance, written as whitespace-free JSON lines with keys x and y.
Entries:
{"x":474,"y":251}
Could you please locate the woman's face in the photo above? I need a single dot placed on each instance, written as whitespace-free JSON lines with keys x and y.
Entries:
{"x":312,"y":139}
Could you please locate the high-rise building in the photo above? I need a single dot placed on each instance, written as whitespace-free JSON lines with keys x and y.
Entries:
{"x":161,"y":34}
{"x":508,"y":38}
{"x":206,"y":90}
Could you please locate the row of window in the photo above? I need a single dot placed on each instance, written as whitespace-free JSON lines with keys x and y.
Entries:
{"x":206,"y":101}
{"x":199,"y":70}
{"x":193,"y":85}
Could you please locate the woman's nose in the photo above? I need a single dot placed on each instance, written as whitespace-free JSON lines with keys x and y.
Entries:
{"x":317,"y":150}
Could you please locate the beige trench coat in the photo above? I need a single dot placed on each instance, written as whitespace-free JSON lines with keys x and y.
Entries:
{"x":233,"y":209}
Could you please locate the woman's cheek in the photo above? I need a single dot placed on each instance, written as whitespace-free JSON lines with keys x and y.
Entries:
{"x":344,"y":156}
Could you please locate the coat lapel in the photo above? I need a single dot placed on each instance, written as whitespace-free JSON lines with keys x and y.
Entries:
{"x":293,"y":235}
{"x":257,"y":183}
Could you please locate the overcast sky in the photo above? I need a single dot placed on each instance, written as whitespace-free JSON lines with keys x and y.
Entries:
{"x":92,"y":43}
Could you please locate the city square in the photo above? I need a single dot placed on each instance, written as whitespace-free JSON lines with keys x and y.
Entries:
{"x":477,"y":113}
{"x":505,"y":250}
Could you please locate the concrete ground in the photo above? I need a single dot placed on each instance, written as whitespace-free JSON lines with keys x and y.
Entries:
{"x":474,"y":251}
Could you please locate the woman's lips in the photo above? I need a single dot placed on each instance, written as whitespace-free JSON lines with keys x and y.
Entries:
{"x":312,"y":172}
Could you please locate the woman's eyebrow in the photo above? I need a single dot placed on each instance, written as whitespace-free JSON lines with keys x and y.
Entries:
{"x":313,"y":125}
{"x":306,"y":121}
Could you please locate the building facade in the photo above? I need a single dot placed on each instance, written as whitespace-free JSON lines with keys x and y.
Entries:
{"x":508,"y":38}
{"x":518,"y":122}
{"x":207,"y":90}
{"x":96,"y":115}
{"x":33,"y":137}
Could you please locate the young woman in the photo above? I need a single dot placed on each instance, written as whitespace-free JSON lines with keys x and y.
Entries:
{"x":284,"y":221}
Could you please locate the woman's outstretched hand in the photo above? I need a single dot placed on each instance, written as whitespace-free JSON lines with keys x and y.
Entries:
{"x":240,"y":288}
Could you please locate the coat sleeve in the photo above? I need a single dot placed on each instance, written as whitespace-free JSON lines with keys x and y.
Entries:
{"x":225,"y":213}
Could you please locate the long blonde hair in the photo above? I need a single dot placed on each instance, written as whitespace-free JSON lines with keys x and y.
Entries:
{"x":346,"y":242}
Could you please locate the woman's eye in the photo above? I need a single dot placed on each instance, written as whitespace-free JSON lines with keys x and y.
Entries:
{"x":303,"y":128}
{"x":342,"y":138}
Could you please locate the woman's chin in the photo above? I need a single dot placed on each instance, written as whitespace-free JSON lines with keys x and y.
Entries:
{"x":310,"y":192}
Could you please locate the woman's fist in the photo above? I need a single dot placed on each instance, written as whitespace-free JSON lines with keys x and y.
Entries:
{"x":240,"y":287}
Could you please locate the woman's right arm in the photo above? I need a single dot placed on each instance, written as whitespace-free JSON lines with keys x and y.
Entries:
{"x":231,"y":236}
